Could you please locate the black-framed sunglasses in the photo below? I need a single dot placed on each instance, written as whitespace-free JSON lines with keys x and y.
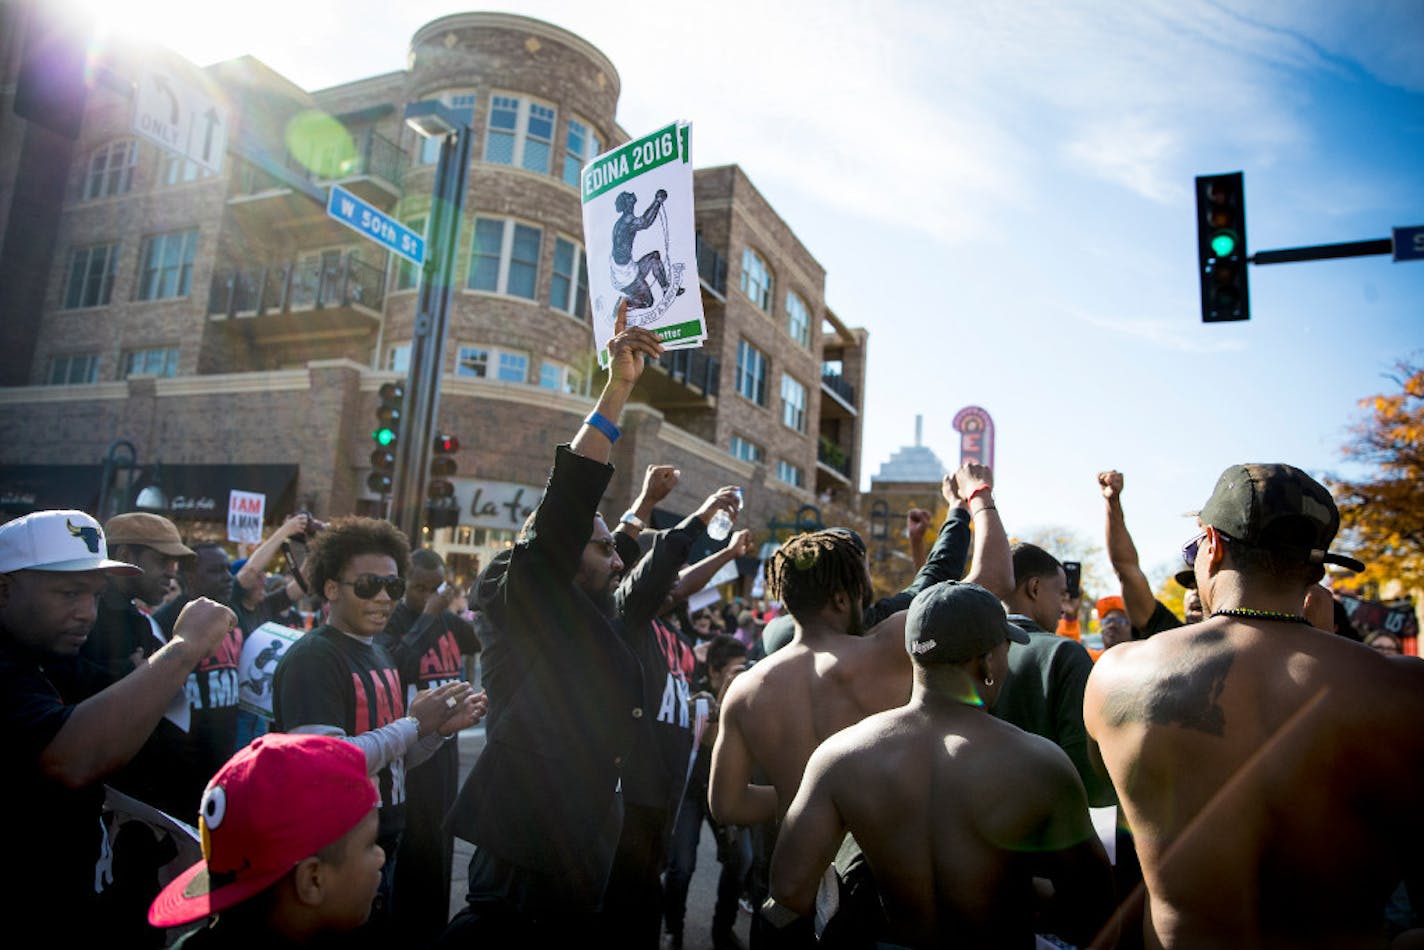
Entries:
{"x":1189,"y":550}
{"x":367,"y":586}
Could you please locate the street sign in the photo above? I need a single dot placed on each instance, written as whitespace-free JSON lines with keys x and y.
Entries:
{"x":180,"y":118}
{"x":1409,"y":243}
{"x":375,"y":224}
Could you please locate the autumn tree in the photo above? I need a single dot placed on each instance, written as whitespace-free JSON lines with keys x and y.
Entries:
{"x":1382,"y":517}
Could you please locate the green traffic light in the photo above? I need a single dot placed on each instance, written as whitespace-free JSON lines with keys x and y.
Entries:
{"x":383,"y":436}
{"x":1223,"y":244}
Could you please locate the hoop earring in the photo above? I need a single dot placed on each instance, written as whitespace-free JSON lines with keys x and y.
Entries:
{"x":989,"y":680}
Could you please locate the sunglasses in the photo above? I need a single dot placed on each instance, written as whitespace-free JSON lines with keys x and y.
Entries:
{"x":1189,"y":550}
{"x":367,"y":586}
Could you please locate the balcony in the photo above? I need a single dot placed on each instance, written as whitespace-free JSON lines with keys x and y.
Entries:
{"x":832,"y":459}
{"x":290,"y":192}
{"x":711,"y":267}
{"x":842,"y":401}
{"x":682,"y":379}
{"x":335,"y":295}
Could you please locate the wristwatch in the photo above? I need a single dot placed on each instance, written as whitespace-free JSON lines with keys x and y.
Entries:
{"x":631,"y":519}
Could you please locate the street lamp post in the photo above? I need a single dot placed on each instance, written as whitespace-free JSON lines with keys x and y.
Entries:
{"x":431,"y":119}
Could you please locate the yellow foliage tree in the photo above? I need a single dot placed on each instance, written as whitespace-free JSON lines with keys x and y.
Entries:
{"x":1382,"y":519}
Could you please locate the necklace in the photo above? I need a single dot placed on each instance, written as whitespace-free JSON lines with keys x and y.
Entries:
{"x":1251,"y":613}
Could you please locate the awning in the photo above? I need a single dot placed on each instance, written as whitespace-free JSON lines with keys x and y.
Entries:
{"x":194,"y":492}
{"x":27,"y":488}
{"x":200,"y":492}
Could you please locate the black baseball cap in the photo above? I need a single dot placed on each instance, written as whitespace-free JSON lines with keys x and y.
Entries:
{"x":952,"y":622}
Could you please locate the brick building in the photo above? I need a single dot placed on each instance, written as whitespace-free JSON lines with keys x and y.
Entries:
{"x":213,"y":332}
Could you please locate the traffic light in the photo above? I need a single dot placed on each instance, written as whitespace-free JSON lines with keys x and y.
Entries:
{"x":1221,"y":247}
{"x":386,"y":433}
{"x":388,"y":415}
{"x":441,"y":509}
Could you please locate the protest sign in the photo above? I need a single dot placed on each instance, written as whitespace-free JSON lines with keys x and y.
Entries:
{"x":244,"y":516}
{"x":640,"y":238}
{"x":260,"y":653}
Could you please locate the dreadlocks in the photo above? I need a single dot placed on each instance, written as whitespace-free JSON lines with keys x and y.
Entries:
{"x":808,"y":570}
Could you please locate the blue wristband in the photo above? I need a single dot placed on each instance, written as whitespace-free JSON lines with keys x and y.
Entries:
{"x":603,"y":425}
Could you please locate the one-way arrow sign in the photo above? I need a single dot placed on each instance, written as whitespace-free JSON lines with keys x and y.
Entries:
{"x":180,"y":118}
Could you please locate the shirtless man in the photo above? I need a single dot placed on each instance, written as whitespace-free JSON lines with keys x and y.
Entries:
{"x":1270,"y":771}
{"x":977,"y":810}
{"x":828,"y":677}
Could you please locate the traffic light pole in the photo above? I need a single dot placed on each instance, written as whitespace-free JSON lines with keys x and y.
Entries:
{"x":1323,"y":252}
{"x":427,"y":348}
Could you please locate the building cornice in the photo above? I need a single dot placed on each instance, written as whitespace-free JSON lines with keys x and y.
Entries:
{"x":522,"y":24}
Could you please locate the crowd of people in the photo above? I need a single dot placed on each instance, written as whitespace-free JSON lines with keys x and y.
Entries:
{"x":925,"y":769}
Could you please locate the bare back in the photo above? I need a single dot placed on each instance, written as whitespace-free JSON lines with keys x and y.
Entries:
{"x":795,"y":699}
{"x":1271,"y":775}
{"x":976,"y":809}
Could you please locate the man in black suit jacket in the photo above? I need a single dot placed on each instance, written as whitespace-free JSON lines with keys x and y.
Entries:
{"x":542,"y":805}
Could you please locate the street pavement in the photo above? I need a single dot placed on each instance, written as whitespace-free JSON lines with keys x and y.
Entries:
{"x":701,"y":895}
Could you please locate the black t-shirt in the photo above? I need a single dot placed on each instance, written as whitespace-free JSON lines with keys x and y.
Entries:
{"x":53,"y":833}
{"x":185,"y":761}
{"x":656,"y":780}
{"x":331,"y":679}
{"x":1161,"y":619}
{"x":429,"y":652}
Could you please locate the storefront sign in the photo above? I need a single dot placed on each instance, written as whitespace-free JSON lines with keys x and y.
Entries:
{"x":498,"y":505}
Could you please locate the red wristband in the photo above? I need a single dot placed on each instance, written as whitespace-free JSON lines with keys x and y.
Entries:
{"x":979,"y":491}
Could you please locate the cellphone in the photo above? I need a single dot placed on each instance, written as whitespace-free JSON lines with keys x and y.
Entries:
{"x":1073,"y":570}
{"x":443,"y":589}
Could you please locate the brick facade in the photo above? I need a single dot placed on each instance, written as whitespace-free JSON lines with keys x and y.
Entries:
{"x":284,"y":332}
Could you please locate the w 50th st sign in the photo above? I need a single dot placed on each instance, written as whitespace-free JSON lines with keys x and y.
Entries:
{"x":176,"y":116}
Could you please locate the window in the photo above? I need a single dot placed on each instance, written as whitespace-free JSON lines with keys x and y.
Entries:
{"x":91,"y":276}
{"x":751,"y":372}
{"x":560,"y":378}
{"x":111,"y":169}
{"x":462,"y":103}
{"x":72,"y":370}
{"x":513,"y":368}
{"x":798,"y":320}
{"x":161,"y":361}
{"x":521,"y":132}
{"x":398,"y":358}
{"x":174,"y":169}
{"x":485,"y":362}
{"x":580,"y":147}
{"x":568,"y":288}
{"x":407,"y":274}
{"x":504,"y":257}
{"x":793,"y":403}
{"x":746,"y":451}
{"x":473,"y":361}
{"x":789,"y":473}
{"x":756,"y":279}
{"x":167,"y":264}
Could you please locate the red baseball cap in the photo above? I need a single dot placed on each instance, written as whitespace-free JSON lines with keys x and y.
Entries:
{"x":273,"y":804}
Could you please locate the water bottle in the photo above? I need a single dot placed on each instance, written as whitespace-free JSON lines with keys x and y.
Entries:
{"x":721,"y":524}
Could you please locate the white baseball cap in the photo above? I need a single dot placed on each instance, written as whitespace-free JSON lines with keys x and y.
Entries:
{"x":66,"y":541}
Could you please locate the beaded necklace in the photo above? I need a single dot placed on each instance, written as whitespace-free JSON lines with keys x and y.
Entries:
{"x":1250,"y":613}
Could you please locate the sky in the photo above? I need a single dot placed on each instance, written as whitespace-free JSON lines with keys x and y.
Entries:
{"x":1002,"y":194}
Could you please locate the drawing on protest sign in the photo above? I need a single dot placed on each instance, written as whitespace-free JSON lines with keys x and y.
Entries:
{"x":244,"y":516}
{"x":261,"y":650}
{"x":640,"y":237}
